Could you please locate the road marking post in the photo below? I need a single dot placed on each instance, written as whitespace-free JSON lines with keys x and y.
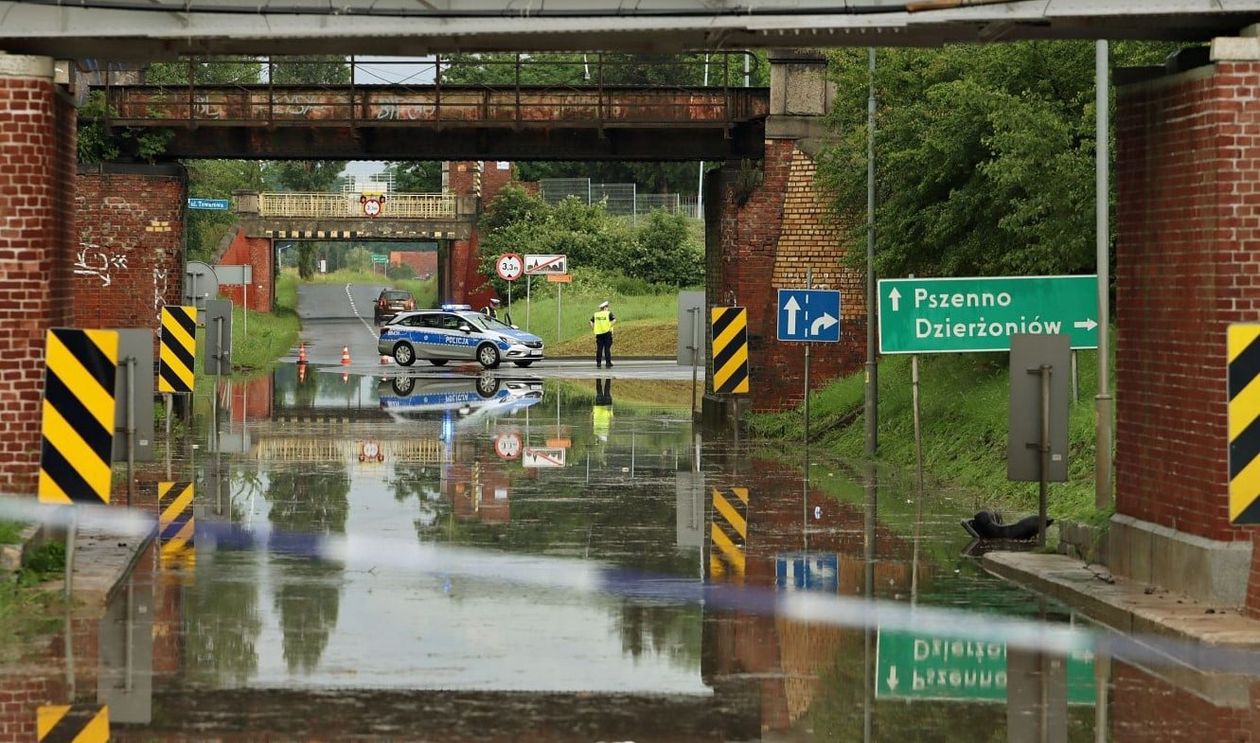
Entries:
{"x":176,"y":524}
{"x":179,"y":344}
{"x":79,"y":723}
{"x":1243,"y":347}
{"x":78,"y":416}
{"x":730,"y":350}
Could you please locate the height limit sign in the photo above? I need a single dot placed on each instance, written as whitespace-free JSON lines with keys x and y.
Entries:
{"x":510,"y":266}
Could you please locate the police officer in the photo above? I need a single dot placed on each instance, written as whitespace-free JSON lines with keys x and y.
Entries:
{"x":492,"y":310}
{"x":602,"y":323}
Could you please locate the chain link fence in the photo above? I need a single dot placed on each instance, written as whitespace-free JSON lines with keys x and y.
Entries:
{"x":621,"y":199}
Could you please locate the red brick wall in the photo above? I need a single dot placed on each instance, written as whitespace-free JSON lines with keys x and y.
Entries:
{"x":421,"y":261}
{"x":467,"y":283}
{"x":766,"y":244}
{"x":130,"y":253}
{"x":259,"y":253}
{"x":1147,"y":708}
{"x":21,"y":696}
{"x":1186,"y":267}
{"x":37,"y":155}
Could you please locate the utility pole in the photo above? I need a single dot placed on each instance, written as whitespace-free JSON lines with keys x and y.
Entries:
{"x":1102,"y":207}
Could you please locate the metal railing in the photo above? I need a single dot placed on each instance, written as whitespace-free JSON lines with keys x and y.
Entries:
{"x":348,"y":206}
{"x":514,"y":89}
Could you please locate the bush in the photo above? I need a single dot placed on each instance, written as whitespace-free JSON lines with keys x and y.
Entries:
{"x":400,"y":271}
{"x":663,"y":252}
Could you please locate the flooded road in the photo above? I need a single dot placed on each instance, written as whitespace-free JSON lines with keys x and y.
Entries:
{"x":458,"y":556}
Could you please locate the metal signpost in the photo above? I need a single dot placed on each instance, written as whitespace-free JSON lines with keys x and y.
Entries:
{"x":217,"y":352}
{"x":544,"y":265}
{"x":690,"y":336}
{"x":242,"y":276}
{"x":1037,"y":442}
{"x":219,"y":205}
{"x":981,"y":314}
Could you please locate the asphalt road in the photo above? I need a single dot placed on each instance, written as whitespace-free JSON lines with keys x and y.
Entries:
{"x":337,"y":316}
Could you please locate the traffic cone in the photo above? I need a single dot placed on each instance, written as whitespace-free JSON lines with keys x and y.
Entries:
{"x":345,"y":356}
{"x":302,"y":353}
{"x":385,"y":359}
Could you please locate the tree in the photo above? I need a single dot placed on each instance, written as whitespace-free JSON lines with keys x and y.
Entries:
{"x":664,"y":253}
{"x":984,"y":156}
{"x":416,"y":176}
{"x":216,"y":179}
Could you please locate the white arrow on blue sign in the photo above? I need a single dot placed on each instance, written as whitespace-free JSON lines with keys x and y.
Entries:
{"x":809,"y":315}
{"x":806,"y":571}
{"x":221,"y":205}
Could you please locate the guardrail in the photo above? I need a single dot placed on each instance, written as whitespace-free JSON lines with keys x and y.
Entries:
{"x":427,"y":206}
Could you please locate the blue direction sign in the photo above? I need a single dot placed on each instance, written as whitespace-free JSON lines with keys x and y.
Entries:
{"x":803,"y":571}
{"x":809,"y":315}
{"x":221,"y":205}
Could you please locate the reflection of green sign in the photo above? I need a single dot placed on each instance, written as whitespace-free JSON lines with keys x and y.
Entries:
{"x":923,"y":666}
{"x":981,"y":314}
{"x":378,"y":258}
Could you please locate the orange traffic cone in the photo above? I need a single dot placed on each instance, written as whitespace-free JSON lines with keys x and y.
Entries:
{"x":345,"y":377}
{"x":385,"y":359}
{"x":302,"y":353}
{"x":345,"y":356}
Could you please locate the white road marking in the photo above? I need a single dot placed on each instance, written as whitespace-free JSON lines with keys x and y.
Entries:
{"x":355,"y":310}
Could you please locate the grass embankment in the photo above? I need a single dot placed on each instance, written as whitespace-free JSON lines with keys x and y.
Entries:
{"x":27,"y":612}
{"x":964,"y":416}
{"x":10,"y":532}
{"x":646,"y":324}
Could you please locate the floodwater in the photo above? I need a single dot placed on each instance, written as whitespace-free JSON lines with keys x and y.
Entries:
{"x":440,"y":555}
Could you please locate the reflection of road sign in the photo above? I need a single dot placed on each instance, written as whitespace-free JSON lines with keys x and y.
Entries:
{"x":543,"y":457}
{"x":220,"y":205}
{"x":176,"y":524}
{"x":730,"y":349}
{"x":370,"y":451}
{"x":510,"y":266}
{"x":79,"y":412}
{"x":912,"y":665}
{"x":1243,"y":342}
{"x":728,"y":535}
{"x":81,"y":723}
{"x":536,"y":265}
{"x":981,"y":314}
{"x":808,"y":572}
{"x":809,"y":315}
{"x":507,"y":445}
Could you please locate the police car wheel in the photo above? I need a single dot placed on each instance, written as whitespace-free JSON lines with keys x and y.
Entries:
{"x":438,"y":362}
{"x":488,"y":356}
{"x":403,"y":386}
{"x":404,"y":354}
{"x":522,"y":364}
{"x":487,"y":386}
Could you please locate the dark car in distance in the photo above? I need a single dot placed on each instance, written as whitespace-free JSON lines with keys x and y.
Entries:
{"x":391,"y":302}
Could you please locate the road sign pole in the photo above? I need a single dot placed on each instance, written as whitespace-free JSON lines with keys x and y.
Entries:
{"x":809,"y":284}
{"x":1044,"y":447}
{"x":559,"y":292}
{"x":695,"y":354}
{"x":1102,"y":206}
{"x":528,"y":283}
{"x":871,"y":409}
{"x":131,"y":430}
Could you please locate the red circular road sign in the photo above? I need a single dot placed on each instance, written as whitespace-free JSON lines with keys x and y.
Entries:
{"x":507,"y":445}
{"x":510,"y":266}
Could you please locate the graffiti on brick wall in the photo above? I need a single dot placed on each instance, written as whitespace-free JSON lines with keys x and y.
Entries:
{"x":159,"y":292}
{"x":92,"y":260}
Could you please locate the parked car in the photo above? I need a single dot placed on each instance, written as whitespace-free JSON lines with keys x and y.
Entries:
{"x":391,"y":302}
{"x":456,"y":333}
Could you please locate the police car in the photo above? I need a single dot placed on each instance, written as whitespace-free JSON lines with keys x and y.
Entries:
{"x":466,"y":398}
{"x":456,"y":333}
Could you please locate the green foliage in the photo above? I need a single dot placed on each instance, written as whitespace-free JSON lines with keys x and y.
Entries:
{"x":10,"y":531}
{"x":216,"y":179}
{"x":357,"y":259}
{"x":400,"y":271}
{"x":664,"y":253}
{"x":306,"y":259}
{"x":984,"y":156}
{"x":97,"y":144}
{"x":270,"y":336}
{"x":416,"y":176}
{"x":43,"y":562}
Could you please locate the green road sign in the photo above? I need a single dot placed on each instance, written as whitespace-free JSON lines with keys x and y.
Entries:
{"x":378,"y":258}
{"x":925,"y":666}
{"x":981,"y":314}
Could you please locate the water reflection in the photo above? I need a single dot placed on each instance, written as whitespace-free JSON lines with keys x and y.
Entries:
{"x":288,"y":646}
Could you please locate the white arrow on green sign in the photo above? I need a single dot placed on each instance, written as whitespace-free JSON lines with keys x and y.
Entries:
{"x":981,"y":314}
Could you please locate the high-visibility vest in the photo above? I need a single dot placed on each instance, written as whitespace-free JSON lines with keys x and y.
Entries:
{"x":601,"y":419}
{"x":603,"y":322}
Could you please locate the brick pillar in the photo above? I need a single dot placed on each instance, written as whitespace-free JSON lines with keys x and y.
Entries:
{"x":129,"y":258}
{"x":37,"y":183}
{"x":1187,"y":265}
{"x":467,"y":283}
{"x":260,"y":253}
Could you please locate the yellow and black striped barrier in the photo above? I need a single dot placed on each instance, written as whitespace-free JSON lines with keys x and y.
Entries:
{"x":176,"y":525}
{"x":730,"y":350}
{"x":80,"y":723}
{"x":179,"y":348}
{"x":78,"y":416}
{"x":1244,"y":423}
{"x":728,"y":535}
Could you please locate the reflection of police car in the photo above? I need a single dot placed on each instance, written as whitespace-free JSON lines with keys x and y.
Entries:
{"x":455,"y":332}
{"x":470,"y":397}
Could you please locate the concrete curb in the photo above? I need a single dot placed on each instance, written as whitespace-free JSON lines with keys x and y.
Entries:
{"x":13,"y":556}
{"x":1124,"y":604}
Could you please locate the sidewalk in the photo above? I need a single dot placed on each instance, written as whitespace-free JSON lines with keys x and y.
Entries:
{"x":1125,"y":605}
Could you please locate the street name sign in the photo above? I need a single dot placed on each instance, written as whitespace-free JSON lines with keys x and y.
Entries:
{"x":809,"y":315}
{"x":981,"y":314}
{"x":220,"y":205}
{"x":917,"y":665}
{"x":540,"y":265}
